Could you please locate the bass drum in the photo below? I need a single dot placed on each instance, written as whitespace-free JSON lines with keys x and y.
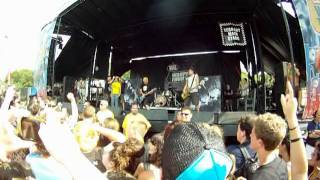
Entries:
{"x":160,"y":101}
{"x":167,"y":94}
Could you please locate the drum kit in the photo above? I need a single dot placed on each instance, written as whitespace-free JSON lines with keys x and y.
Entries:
{"x":167,"y":98}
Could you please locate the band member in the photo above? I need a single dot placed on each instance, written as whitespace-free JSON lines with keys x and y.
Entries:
{"x":115,"y":83}
{"x":82,"y":90}
{"x":190,"y":92}
{"x":228,"y":94}
{"x":107,"y":88}
{"x":147,"y":94}
{"x":243,"y":88}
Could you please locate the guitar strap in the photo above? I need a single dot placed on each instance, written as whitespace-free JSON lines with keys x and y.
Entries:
{"x":191,"y":82}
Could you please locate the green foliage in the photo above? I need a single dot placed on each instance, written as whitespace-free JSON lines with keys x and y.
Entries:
{"x":22,"y":78}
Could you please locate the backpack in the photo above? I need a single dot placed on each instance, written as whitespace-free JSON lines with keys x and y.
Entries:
{"x":250,"y":164}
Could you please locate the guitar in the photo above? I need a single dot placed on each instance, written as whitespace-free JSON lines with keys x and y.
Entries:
{"x":185,"y":93}
{"x":186,"y":90}
{"x":141,"y":98}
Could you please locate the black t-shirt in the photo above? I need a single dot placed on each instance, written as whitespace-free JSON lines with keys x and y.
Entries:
{"x":145,"y":88}
{"x":106,"y":88}
{"x":275,"y":170}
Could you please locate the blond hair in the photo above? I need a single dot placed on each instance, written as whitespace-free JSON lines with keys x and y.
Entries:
{"x":271,"y":129}
{"x":112,"y":123}
{"x":89,"y":112}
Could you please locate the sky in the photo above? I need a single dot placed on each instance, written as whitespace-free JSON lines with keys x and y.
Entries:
{"x":20,"y":26}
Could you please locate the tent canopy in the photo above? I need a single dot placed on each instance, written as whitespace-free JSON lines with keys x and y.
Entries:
{"x":138,"y":28}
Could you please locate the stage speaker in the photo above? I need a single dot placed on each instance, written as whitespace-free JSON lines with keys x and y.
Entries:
{"x":158,"y":119}
{"x":203,"y":117}
{"x":68,"y":84}
{"x":229,"y":121}
{"x":233,"y":117}
{"x":155,"y":115}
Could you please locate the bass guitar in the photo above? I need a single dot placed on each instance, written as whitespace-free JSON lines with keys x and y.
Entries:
{"x":141,"y":98}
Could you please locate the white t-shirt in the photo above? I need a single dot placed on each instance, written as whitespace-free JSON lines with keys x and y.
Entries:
{"x":103,"y":115}
{"x":193,"y":86}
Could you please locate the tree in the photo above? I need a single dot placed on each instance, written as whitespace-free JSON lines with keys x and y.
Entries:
{"x":22,"y":78}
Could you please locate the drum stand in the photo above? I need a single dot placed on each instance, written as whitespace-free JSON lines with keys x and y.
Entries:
{"x":176,"y":102}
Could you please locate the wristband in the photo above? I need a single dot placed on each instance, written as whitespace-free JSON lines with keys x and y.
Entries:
{"x":291,"y":129}
{"x":295,"y":140}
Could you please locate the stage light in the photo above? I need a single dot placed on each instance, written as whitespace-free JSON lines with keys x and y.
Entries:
{"x":174,"y":55}
{"x":231,"y":51}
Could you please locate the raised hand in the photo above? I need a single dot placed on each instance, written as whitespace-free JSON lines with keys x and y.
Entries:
{"x":51,"y":135}
{"x":289,"y":105}
{"x":70,"y":97}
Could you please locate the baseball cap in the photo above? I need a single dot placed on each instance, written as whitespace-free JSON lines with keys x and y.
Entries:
{"x":193,"y":151}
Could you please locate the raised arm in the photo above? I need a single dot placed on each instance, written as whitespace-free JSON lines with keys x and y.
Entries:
{"x":9,"y":142}
{"x":8,"y":98}
{"x":70,"y":155}
{"x":299,"y":168}
{"x":111,"y":134}
{"x":111,"y":80}
{"x":74,"y":109}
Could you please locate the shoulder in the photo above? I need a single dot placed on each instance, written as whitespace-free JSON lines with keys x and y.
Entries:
{"x":141,"y":116}
{"x":277,"y":169}
{"x":109,"y":112}
{"x":263,"y":173}
{"x":234,"y":149}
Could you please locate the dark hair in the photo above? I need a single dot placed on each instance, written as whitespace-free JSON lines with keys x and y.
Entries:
{"x":29,"y":131}
{"x":168,"y":129}
{"x":318,"y":151}
{"x":34,"y":108}
{"x":191,"y":68}
{"x":158,"y":141}
{"x":134,"y":104}
{"x":246,"y":125}
{"x":315,"y":113}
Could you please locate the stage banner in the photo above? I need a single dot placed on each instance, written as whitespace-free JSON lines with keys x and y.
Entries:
{"x":232,"y":34}
{"x":210,"y":93}
{"x":40,"y":73}
{"x":308,"y":13}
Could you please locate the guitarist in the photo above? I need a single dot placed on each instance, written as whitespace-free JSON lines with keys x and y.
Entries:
{"x":147,"y":94}
{"x":190,"y":92}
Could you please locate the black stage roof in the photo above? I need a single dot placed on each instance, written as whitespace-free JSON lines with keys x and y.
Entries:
{"x":150,"y":27}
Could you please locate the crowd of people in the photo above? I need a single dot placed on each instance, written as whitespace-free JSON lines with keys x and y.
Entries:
{"x":45,"y":141}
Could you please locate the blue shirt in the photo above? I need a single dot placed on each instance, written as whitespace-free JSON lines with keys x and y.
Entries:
{"x":235,"y":150}
{"x":313,"y":125}
{"x":47,"y":168}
